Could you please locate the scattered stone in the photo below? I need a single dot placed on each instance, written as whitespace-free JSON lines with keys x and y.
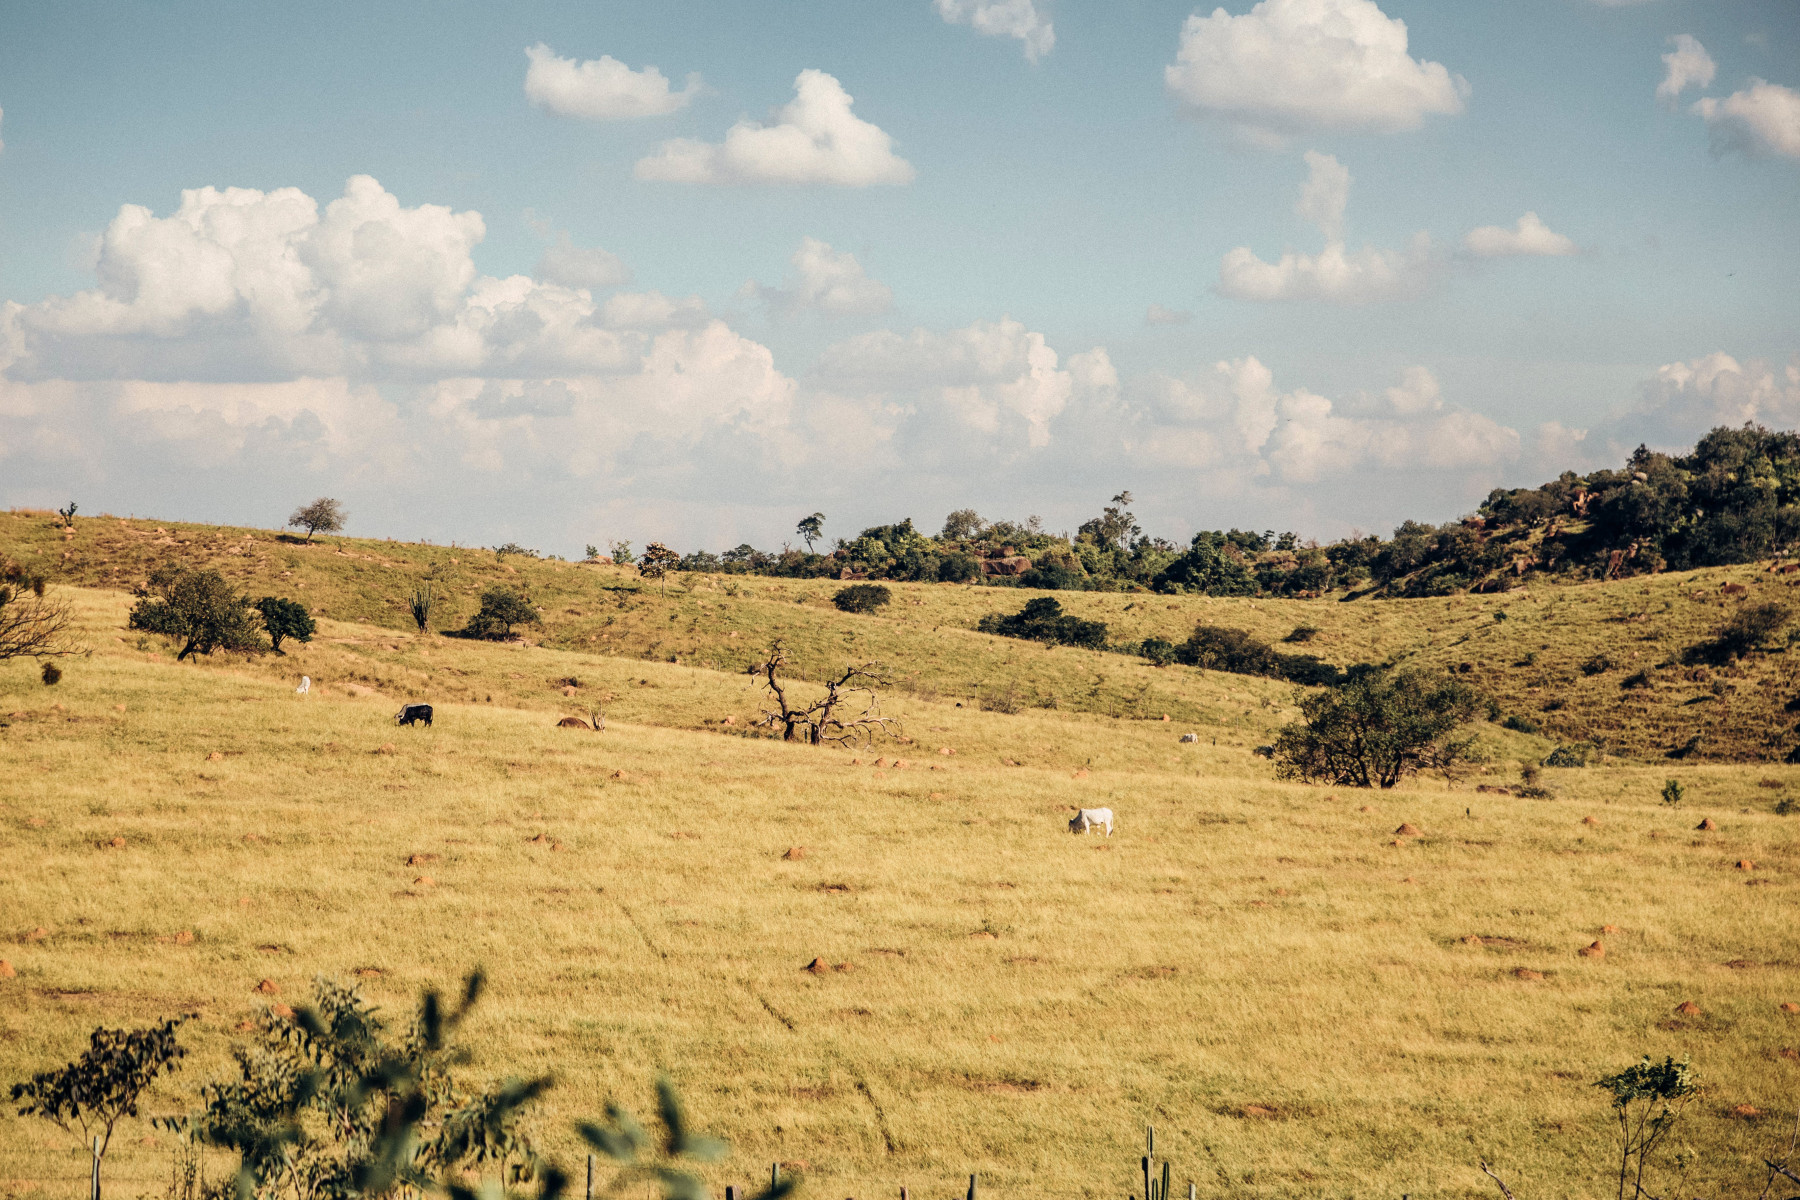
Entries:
{"x":1789,"y":1053}
{"x":795,"y":853}
{"x":266,"y":987}
{"x":419,"y":860}
{"x":982,"y":935}
{"x":881,"y":762}
{"x":119,"y":708}
{"x":1595,"y":950}
{"x":817,"y":966}
{"x":184,"y":937}
{"x":1788,"y":1006}
{"x":425,"y":881}
{"x":386,"y":748}
{"x":1081,"y":774}
{"x":1688,"y":1008}
{"x":1746,"y":1112}
{"x":6,"y":969}
{"x":1408,"y":830}
{"x":35,"y":822}
{"x":1368,"y":808}
{"x":1744,"y":864}
{"x":728,"y":720}
{"x":946,"y":751}
{"x":1591,"y":821}
{"x":1528,"y":975}
{"x":1165,"y":716}
{"x":1706,"y":825}
{"x":38,"y":934}
{"x":1609,"y":929}
{"x":937,"y":795}
{"x":281,"y":1010}
{"x":370,"y":972}
{"x":1260,"y":1112}
{"x":244,"y":1026}
{"x":621,"y":776}
{"x":215,"y":756}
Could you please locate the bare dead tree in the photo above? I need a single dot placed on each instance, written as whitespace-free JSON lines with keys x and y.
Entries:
{"x":824,"y":720}
{"x":32,"y":624}
{"x":1504,"y":1190}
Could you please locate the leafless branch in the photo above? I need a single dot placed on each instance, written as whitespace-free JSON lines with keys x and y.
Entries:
{"x":820,"y":721}
{"x":1504,"y":1190}
{"x":32,"y":624}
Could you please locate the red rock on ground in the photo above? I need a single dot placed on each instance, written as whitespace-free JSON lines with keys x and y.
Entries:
{"x":1706,"y":824}
{"x":282,"y":1011}
{"x":1744,"y":864}
{"x":6,"y":969}
{"x":1788,"y":1006}
{"x":1596,"y":950}
{"x":38,"y":934}
{"x":795,"y":853}
{"x":1746,"y":1111}
{"x":1609,"y":929}
{"x":1688,"y":1008}
{"x":1368,"y":808}
{"x":1407,"y":830}
{"x":424,"y":881}
{"x":184,"y":938}
{"x":1593,"y":821}
{"x":266,"y":987}
{"x":817,"y":966}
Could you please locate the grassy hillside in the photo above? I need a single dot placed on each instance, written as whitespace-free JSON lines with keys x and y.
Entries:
{"x":1555,"y":655}
{"x":1287,"y":989}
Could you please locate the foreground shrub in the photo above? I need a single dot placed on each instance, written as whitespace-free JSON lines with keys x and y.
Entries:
{"x":862,"y":598}
{"x":1159,"y":651}
{"x":1378,"y":727}
{"x":1043,"y":620}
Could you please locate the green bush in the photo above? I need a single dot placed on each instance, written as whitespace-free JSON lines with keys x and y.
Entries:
{"x":500,"y":610}
{"x":862,"y":598}
{"x":1159,"y":651}
{"x":198,"y":609}
{"x":1566,"y":756}
{"x":1378,"y":727}
{"x":284,"y":619}
{"x":1520,"y":724}
{"x":1218,"y":648}
{"x":1043,"y":620}
{"x":958,"y":568}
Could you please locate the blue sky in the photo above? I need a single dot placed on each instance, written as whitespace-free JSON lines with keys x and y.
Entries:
{"x":1034,"y":255}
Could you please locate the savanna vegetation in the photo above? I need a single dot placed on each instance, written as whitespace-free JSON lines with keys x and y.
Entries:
{"x":1394,"y":882}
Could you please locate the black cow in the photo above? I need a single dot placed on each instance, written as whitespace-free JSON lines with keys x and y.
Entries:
{"x":414,"y":712}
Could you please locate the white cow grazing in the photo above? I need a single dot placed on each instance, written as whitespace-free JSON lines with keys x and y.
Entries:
{"x":1091,"y":818}
{"x":305,"y":685}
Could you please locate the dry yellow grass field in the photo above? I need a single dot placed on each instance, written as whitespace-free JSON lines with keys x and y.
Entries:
{"x":1301,"y":1001}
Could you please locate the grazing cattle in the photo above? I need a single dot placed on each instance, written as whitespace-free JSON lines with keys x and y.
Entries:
{"x":305,"y":685}
{"x":1732,"y":589}
{"x":1086,"y":819}
{"x":413,"y":713}
{"x":1190,"y":737}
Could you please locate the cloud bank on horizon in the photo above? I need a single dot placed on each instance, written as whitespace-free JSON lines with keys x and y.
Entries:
{"x":250,"y":344}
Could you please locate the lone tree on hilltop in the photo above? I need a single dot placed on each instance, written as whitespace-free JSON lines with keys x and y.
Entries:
{"x":822,"y":721}
{"x":104,"y":1084}
{"x":656,"y":562}
{"x":500,"y":610}
{"x":198,"y":608}
{"x":811,"y":529}
{"x":285,"y":618}
{"x":32,"y":624}
{"x":962,"y":524}
{"x":1378,"y":727}
{"x":323,"y":515}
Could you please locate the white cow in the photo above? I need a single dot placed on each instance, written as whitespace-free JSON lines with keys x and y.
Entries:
{"x":1086,"y":819}
{"x":305,"y":685}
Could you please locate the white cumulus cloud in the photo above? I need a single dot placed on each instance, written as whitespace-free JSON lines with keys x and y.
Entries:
{"x":814,"y":139}
{"x":1158,"y":315}
{"x":1335,"y":274}
{"x":1003,"y":18}
{"x":602,"y":89}
{"x":1293,"y":66}
{"x":575,"y":266}
{"x":1762,"y":119}
{"x":1688,"y":64}
{"x":828,"y":281}
{"x":1530,"y":237}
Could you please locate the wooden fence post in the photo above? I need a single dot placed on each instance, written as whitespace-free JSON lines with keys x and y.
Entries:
{"x":971,"y":1187}
{"x":590,"y":1177}
{"x":774,"y":1175}
{"x":94,"y":1183}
